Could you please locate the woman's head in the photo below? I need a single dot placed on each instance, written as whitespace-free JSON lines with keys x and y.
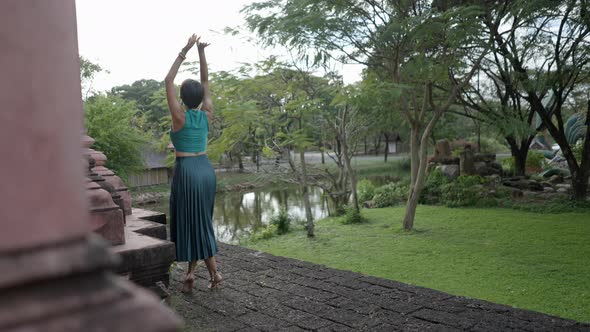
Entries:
{"x":191,"y":93}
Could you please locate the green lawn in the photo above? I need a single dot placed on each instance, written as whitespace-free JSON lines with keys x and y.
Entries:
{"x":528,"y":260}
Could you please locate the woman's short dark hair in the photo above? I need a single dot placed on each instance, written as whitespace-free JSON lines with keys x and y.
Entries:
{"x":191,"y":93}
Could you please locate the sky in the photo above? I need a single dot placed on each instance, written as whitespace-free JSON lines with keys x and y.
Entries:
{"x":136,"y":39}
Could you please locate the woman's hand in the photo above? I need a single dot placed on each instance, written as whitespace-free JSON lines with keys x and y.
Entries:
{"x":191,"y":42}
{"x":201,"y":46}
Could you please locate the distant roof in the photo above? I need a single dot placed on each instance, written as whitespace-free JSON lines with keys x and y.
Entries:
{"x":153,"y":159}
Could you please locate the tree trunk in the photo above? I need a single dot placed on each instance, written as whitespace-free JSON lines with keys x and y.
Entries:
{"x":386,"y":154}
{"x":414,"y":156}
{"x":305,"y":189}
{"x":365,"y":141}
{"x":377,"y":144}
{"x":349,"y":169}
{"x":418,"y":183}
{"x":322,"y":152}
{"x":240,"y":163}
{"x":257,"y":161}
{"x":519,"y":153}
{"x":580,"y":180}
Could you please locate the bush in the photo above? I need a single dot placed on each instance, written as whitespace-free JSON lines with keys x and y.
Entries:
{"x":390,"y":194}
{"x":352,"y":216}
{"x":405,"y":164}
{"x":119,"y":132}
{"x":489,"y":144}
{"x":577,"y":150}
{"x":431,"y":193}
{"x":535,"y":159}
{"x":282,"y":221}
{"x":365,"y":190}
{"x":464,"y":191}
{"x":265,"y":233}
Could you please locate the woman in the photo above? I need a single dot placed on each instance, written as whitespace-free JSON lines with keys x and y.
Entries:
{"x":193,"y":185}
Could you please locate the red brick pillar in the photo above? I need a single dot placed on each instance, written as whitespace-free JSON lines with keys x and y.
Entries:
{"x":54,"y":273}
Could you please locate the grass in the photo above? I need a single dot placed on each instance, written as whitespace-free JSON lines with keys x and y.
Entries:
{"x":523,"y":259}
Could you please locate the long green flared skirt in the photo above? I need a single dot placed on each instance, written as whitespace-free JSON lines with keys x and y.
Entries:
{"x":192,"y":199}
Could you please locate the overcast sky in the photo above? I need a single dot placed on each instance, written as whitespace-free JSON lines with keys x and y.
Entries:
{"x":135,"y":39}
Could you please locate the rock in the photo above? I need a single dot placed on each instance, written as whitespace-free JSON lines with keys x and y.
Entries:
{"x":566,"y":186}
{"x":485,"y":157}
{"x":467,"y":161}
{"x":494,"y":178}
{"x":480,"y":168}
{"x":530,"y":194}
{"x":556,"y":179}
{"x":549,"y":190}
{"x":515,"y":192}
{"x":442,"y":150}
{"x":450,"y":171}
{"x":562,"y":190}
{"x":534,"y":185}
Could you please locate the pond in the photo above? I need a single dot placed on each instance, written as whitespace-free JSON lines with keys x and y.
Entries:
{"x":238,"y":214}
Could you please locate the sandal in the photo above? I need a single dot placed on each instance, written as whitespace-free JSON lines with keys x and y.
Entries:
{"x":215,"y":281}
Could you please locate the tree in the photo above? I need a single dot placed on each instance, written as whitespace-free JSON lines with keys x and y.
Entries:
{"x":409,"y":43}
{"x":119,"y":132}
{"x":146,"y":93}
{"x":88,"y":71}
{"x":556,"y":61}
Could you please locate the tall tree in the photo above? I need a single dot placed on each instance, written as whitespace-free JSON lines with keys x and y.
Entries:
{"x":410,"y":43}
{"x":554,"y":60}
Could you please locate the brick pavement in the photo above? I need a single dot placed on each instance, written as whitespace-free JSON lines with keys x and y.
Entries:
{"x":263,"y":292}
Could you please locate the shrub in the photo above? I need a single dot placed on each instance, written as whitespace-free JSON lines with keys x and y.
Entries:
{"x":405,"y":164}
{"x":577,"y":150}
{"x":265,"y":233}
{"x":464,"y":191}
{"x":390,"y":194}
{"x":431,"y":192}
{"x":282,"y":221}
{"x":352,"y":216}
{"x":119,"y":131}
{"x":365,"y":189}
{"x":535,"y":159}
{"x":489,"y":144}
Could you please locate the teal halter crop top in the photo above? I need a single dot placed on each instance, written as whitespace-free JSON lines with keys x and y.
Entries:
{"x":193,"y":136}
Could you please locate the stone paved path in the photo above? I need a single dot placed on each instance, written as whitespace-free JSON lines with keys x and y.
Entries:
{"x":269,"y":293}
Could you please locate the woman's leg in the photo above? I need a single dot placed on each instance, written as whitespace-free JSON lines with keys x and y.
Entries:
{"x":212,"y":267}
{"x":189,"y":279}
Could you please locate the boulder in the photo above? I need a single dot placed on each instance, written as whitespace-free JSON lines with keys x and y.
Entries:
{"x":549,"y":190}
{"x":562,"y":190}
{"x":450,"y":171}
{"x":556,"y":179}
{"x":480,"y":168}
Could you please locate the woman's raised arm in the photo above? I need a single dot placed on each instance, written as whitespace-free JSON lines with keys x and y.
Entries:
{"x":207,"y":100}
{"x":173,"y":105}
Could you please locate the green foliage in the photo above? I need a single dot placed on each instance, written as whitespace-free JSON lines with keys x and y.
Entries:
{"x":352,"y":216}
{"x":149,"y":97}
{"x":535,"y":159}
{"x":282,"y":221}
{"x":466,"y":190}
{"x":365,"y":190}
{"x":577,"y":150}
{"x":265,"y":233}
{"x":119,"y":131}
{"x":390,"y":194}
{"x":432,"y":191}
{"x":489,"y":144}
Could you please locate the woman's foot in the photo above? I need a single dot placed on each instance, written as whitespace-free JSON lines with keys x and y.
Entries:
{"x":216,"y":280}
{"x":187,"y":287}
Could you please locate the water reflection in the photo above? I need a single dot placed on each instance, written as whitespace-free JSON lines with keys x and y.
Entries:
{"x":237,"y":214}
